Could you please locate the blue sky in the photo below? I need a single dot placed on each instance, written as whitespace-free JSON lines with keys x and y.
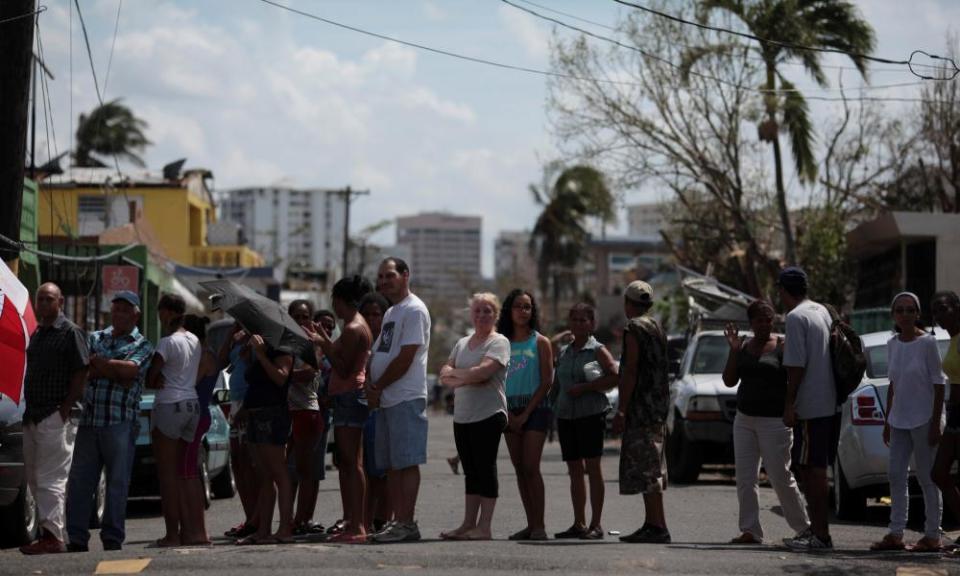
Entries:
{"x":261,"y":96}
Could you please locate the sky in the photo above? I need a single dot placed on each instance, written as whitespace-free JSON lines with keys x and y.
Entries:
{"x":262,"y":96}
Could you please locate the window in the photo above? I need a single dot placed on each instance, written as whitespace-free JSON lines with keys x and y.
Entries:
{"x":91,"y":215}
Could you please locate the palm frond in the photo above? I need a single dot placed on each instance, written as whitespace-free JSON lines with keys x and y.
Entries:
{"x":796,"y":119}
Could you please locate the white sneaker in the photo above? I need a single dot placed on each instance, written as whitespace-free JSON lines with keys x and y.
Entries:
{"x":398,"y":532}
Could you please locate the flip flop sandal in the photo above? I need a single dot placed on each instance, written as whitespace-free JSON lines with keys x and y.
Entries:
{"x":745,"y":538}
{"x":888,"y":543}
{"x":925,"y":545}
{"x":254,"y":541}
{"x":344,"y":538}
{"x":163,"y":543}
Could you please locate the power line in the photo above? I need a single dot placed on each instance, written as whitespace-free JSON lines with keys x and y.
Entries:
{"x":113,"y":45}
{"x":26,"y":15}
{"x":502,"y":65}
{"x":690,"y":70}
{"x":86,"y":40}
{"x":792,"y":46}
{"x":754,"y":58}
{"x":54,"y":256}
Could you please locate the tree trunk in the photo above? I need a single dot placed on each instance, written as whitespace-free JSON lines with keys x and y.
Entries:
{"x":16,"y":46}
{"x":789,"y":251}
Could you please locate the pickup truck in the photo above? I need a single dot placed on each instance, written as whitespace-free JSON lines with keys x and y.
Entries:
{"x":700,"y":423}
{"x":18,"y":511}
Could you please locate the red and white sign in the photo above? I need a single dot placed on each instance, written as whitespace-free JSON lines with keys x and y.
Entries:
{"x":17,"y":322}
{"x":117,"y":279}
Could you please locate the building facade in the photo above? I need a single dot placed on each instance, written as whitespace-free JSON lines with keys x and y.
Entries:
{"x":646,"y":219}
{"x":444,"y":254}
{"x":513,"y":263}
{"x":294,"y":229}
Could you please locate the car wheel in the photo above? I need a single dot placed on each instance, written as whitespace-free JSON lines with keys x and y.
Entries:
{"x":18,"y":520}
{"x":848,"y":503}
{"x":99,"y":503}
{"x":205,"y":478}
{"x":684,"y":457}
{"x":224,"y":485}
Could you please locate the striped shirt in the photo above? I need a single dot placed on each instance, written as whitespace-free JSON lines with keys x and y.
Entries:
{"x":106,"y":402}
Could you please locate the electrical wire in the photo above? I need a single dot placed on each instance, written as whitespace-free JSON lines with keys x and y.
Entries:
{"x":113,"y":45}
{"x":86,"y":40}
{"x":22,"y":16}
{"x":536,"y":71}
{"x":63,"y":257}
{"x":792,"y":46}
{"x":691,"y":71}
{"x":753,"y":58}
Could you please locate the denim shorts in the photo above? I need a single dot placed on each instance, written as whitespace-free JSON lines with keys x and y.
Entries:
{"x":269,"y":426}
{"x":348,"y":411}
{"x":401,"y":440}
{"x":538,"y":421}
{"x":369,"y":448}
{"x":176,"y":420}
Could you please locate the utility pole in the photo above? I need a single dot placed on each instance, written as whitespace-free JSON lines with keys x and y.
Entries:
{"x":347,"y":194}
{"x":16,"y":46}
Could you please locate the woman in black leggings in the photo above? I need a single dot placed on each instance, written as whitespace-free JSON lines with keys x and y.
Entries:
{"x":477,"y":371}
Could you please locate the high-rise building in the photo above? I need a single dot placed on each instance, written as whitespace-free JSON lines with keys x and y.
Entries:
{"x":514,"y":265}
{"x":445,"y":254}
{"x":300,"y":229}
{"x":646,"y":220}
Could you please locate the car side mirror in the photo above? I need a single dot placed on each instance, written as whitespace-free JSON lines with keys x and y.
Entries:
{"x":221,"y":396}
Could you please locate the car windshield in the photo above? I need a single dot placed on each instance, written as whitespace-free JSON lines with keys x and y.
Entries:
{"x":711,"y":355}
{"x":877,"y":358}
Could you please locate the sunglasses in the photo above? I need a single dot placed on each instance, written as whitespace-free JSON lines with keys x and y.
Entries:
{"x":901,"y":310}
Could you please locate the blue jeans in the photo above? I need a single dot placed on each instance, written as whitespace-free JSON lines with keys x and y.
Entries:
{"x":100,"y":448}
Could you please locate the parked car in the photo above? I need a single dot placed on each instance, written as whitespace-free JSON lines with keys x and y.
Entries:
{"x":676,"y":346}
{"x":18,"y":511}
{"x":860,"y":470}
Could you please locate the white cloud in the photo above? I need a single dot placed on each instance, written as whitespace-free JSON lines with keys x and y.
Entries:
{"x":425,"y":98}
{"x":433,"y":11}
{"x":533,"y":37}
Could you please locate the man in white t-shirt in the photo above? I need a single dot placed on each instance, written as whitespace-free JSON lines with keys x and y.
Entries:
{"x":398,"y":385}
{"x":811,"y":404}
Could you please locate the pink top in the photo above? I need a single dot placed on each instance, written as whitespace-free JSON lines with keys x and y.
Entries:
{"x":355,"y":381}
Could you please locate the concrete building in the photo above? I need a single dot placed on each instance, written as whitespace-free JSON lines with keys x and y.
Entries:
{"x":646,"y":219}
{"x":514,"y":266}
{"x":445,"y":254}
{"x":294,"y":229}
{"x":915,"y":251}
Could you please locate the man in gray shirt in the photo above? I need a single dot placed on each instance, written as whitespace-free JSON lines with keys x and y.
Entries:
{"x":811,"y":404}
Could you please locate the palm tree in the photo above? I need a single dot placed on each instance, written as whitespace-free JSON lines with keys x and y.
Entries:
{"x":830,"y":24}
{"x":110,"y":130}
{"x":560,"y":234}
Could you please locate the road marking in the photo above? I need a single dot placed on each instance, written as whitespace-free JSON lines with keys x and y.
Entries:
{"x":122,"y":566}
{"x":920,"y":571}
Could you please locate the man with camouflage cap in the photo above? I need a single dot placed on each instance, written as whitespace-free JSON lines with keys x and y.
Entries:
{"x":642,"y":415}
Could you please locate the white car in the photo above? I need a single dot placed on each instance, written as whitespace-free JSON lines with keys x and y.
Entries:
{"x":702,"y":408}
{"x":860,"y":470}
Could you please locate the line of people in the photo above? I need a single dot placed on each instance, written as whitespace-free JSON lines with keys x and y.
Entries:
{"x":508,"y":379}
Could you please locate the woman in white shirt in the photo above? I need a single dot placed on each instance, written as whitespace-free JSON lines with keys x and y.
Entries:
{"x":914,"y":404}
{"x":176,"y":410}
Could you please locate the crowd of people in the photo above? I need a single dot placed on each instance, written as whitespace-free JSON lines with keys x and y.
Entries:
{"x":369,"y":384}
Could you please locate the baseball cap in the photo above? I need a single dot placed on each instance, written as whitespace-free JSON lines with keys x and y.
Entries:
{"x":127,"y":296}
{"x":639,"y":291}
{"x":792,"y":276}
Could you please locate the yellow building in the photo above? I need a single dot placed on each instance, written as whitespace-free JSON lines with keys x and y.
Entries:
{"x":85,"y":202}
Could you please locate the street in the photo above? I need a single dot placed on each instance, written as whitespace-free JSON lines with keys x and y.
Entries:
{"x":702,"y":518}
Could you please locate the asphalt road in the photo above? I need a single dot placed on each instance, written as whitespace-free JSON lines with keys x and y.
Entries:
{"x":702,"y":518}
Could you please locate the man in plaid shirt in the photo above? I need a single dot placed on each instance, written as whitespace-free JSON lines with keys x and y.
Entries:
{"x":119,"y":359}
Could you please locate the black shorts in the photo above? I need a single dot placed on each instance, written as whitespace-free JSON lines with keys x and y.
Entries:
{"x":815,"y":441}
{"x":269,"y":426}
{"x":581,"y":438}
{"x":539,"y":420}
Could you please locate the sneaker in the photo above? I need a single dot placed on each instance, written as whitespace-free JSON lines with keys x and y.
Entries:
{"x":810,"y":543}
{"x":111,"y":545}
{"x":398,"y":532}
{"x":77,"y":547}
{"x":45,"y":545}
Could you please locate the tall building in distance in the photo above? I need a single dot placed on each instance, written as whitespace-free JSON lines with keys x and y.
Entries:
{"x":444,"y":255}
{"x":646,"y":220}
{"x":294,"y":229}
{"x":514,"y":265}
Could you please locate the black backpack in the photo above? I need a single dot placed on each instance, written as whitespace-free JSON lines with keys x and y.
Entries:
{"x":846,"y":357}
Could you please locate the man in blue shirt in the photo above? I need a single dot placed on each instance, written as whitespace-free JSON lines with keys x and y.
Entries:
{"x":119,"y":358}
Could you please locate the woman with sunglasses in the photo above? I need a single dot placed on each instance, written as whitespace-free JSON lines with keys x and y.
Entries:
{"x":912,"y":428}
